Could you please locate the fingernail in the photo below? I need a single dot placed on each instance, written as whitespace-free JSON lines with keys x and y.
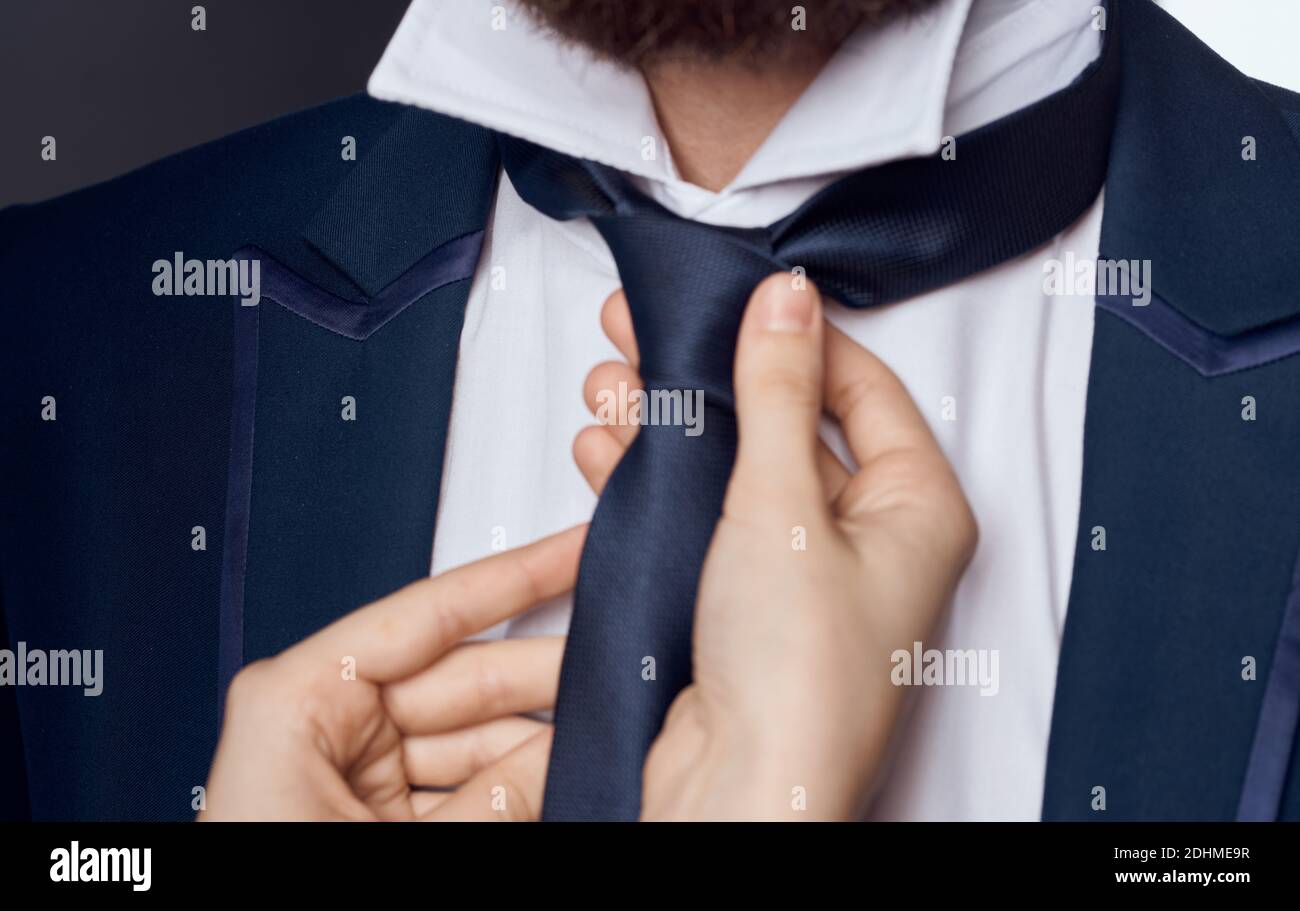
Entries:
{"x":788,"y":309}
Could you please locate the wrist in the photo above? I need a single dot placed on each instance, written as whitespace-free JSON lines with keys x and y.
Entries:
{"x":789,"y":778}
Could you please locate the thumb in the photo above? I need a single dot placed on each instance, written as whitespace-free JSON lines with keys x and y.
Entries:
{"x":779,"y":375}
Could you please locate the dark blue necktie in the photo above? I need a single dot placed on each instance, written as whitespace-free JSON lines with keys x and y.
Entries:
{"x":873,"y":237}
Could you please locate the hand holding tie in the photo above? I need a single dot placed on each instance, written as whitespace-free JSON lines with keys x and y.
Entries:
{"x":361,"y":720}
{"x":814,"y":576}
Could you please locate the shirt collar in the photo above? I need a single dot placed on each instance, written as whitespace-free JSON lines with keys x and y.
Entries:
{"x":881,"y":97}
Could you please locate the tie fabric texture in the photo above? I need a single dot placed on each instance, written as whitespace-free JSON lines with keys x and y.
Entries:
{"x":873,"y":237}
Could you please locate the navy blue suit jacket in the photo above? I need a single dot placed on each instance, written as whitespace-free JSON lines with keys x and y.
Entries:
{"x":179,"y":412}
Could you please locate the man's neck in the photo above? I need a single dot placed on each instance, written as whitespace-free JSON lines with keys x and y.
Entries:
{"x":716,"y":115}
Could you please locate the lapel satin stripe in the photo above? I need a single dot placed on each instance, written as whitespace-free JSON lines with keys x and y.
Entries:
{"x":1202,"y":530}
{"x":1197,"y":501}
{"x":1207,"y":353}
{"x":1214,"y":355}
{"x":239,"y":488}
{"x":451,"y":262}
{"x":1275,"y":734}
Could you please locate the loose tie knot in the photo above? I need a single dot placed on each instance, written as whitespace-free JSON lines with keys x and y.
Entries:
{"x":876,"y":236}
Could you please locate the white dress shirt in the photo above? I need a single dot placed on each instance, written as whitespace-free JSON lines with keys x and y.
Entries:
{"x":998,"y":368}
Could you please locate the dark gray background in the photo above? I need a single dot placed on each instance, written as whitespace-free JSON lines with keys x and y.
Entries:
{"x":120,"y":83}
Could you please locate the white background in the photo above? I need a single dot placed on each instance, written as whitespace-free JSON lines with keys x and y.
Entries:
{"x":1259,"y":37}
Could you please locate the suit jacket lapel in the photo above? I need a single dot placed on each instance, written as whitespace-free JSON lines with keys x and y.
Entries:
{"x":1191,"y":458}
{"x":344,"y":376}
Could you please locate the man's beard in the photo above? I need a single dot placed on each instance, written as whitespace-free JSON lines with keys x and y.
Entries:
{"x":752,"y":32}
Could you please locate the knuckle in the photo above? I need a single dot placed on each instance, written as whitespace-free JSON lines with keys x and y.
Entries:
{"x":450,"y":625}
{"x":311,"y":711}
{"x":257,"y":683}
{"x":955,"y":522}
{"x":479,"y":750}
{"x":491,"y":687}
{"x":681,"y":709}
{"x":276,"y":690}
{"x":968,"y":532}
{"x":845,"y":397}
{"x":587,"y":441}
{"x":526,"y":580}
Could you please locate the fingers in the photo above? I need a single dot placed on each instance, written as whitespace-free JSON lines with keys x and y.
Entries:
{"x":407,"y":630}
{"x":778,"y":384}
{"x":870,"y":402}
{"x":377,"y":778}
{"x":598,"y":449}
{"x":446,"y":760}
{"x":616,"y":320}
{"x":597,"y":452}
{"x":477,"y":682}
{"x":509,"y":790}
{"x":901,"y":467}
{"x":606,"y":392}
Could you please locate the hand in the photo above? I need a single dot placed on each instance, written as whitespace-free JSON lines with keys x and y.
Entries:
{"x":303,"y":739}
{"x":814,"y":576}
